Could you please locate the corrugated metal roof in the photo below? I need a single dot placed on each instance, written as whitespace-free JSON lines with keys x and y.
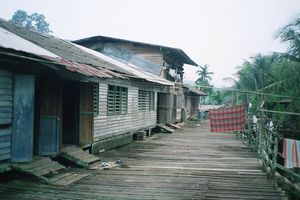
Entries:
{"x":14,"y":42}
{"x":84,"y":69}
{"x":59,"y":47}
{"x":19,"y":40}
{"x":10,"y":40}
{"x":80,"y":59}
{"x":129,"y":67}
{"x":178,"y":53}
{"x":194,"y":90}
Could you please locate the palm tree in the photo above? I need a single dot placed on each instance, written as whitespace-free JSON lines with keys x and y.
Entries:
{"x":203,"y":79}
{"x":288,"y":69}
{"x":204,"y":75}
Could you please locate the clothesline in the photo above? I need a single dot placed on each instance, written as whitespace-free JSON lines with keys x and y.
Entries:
{"x":249,"y":92}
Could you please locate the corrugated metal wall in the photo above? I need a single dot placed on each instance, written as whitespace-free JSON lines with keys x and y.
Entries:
{"x":5,"y":114}
{"x":106,"y":126}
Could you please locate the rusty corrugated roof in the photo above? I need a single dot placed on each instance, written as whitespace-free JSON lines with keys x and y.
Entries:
{"x":84,"y":69}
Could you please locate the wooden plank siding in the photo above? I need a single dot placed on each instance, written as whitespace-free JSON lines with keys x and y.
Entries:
{"x":144,"y":58}
{"x":151,"y":55}
{"x":187,"y":105}
{"x":194,"y":104}
{"x":5,"y":114}
{"x":106,"y":126}
{"x":23,"y":118}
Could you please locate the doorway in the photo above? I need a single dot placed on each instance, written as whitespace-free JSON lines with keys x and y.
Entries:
{"x":70,"y":125}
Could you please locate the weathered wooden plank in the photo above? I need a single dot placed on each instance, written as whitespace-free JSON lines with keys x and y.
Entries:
{"x":5,"y":131}
{"x":78,"y":156}
{"x":22,"y":142}
{"x":175,"y":126}
{"x":5,"y":85}
{"x":5,"y":156}
{"x":5,"y":91}
{"x":49,"y":136}
{"x":5,"y":103}
{"x":4,"y":73}
{"x":191,"y":164}
{"x":164,"y":127}
{"x":6,"y":109}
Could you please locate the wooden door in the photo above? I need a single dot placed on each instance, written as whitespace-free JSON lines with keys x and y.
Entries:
{"x":164,"y":108}
{"x":50,"y":116}
{"x":49,"y":136}
{"x":86,"y":114}
{"x":23,"y":117}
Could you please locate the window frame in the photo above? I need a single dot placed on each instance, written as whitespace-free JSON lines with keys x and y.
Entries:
{"x":146,"y":100}
{"x":117,"y":100}
{"x":96,"y":99}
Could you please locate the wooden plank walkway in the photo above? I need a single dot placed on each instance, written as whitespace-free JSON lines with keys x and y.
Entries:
{"x":190,"y":164}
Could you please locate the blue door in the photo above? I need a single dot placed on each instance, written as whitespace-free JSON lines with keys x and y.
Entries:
{"x":49,"y":136}
{"x":23,"y":116}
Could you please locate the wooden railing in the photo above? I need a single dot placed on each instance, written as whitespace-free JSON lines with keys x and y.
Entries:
{"x":266,"y":142}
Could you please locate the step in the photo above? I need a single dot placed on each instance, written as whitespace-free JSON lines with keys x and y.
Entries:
{"x":78,"y":156}
{"x":175,"y":126}
{"x":168,"y":129}
{"x":39,"y":167}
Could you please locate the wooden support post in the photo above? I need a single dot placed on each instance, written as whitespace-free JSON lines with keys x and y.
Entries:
{"x":274,"y":162}
{"x":149,"y":132}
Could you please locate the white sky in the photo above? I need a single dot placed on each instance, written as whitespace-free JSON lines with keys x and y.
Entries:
{"x":220,"y":33}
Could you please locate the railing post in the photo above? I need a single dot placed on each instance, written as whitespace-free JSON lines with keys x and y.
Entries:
{"x":274,"y":163}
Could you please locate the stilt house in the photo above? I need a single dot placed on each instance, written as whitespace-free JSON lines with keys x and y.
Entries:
{"x":162,"y":61}
{"x":55,"y":93}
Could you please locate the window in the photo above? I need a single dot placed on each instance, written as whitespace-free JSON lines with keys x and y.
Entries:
{"x":117,"y":100}
{"x":146,"y":100}
{"x":96,"y":99}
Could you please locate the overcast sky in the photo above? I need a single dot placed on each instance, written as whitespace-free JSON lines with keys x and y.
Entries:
{"x":220,"y":33}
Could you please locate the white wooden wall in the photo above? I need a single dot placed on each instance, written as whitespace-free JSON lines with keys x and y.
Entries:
{"x":108,"y":126}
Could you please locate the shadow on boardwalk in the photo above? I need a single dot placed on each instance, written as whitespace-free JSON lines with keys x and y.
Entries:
{"x":190,"y":164}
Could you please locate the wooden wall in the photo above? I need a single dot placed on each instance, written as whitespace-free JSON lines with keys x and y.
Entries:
{"x":152,"y":55}
{"x":187,"y":105}
{"x":194,"y":104}
{"x":5,"y":114}
{"x":165,"y":108}
{"x":108,"y":126}
{"x":142,"y":57}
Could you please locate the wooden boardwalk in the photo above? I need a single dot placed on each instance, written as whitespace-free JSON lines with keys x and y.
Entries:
{"x":189,"y":164}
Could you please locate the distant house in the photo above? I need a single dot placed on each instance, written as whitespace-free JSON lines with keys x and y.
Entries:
{"x":162,"y":61}
{"x":192,"y":99}
{"x":55,"y":93}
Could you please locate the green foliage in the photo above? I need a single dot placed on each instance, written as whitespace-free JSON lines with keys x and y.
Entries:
{"x":203,"y":79}
{"x":35,"y":21}
{"x":276,"y":74}
{"x":216,"y":97}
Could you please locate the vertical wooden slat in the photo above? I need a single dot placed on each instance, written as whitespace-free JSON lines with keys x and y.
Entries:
{"x":23,"y":115}
{"x":49,"y":136}
{"x":5,"y":114}
{"x":86,"y":113}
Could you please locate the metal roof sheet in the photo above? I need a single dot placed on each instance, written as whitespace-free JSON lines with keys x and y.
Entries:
{"x":180,"y":54}
{"x":194,"y":90}
{"x":84,"y":69}
{"x":74,"y":57}
{"x":130,"y":68}
{"x":10,"y":40}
